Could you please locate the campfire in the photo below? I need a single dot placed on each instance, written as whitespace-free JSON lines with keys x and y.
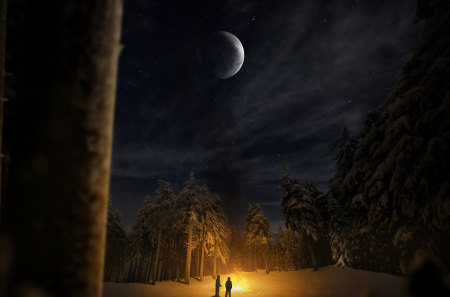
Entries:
{"x":239,"y":283}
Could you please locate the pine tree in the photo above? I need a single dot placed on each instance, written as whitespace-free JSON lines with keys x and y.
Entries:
{"x":344,"y":150}
{"x":115,"y":245}
{"x":173,"y":231}
{"x":257,"y":234}
{"x":164,"y":221}
{"x":395,"y":185}
{"x":209,"y":224}
{"x":300,"y":211}
{"x":293,"y":250}
{"x":157,"y":226}
{"x":339,"y":234}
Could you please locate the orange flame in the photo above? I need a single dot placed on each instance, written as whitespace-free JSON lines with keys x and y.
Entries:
{"x":239,"y":283}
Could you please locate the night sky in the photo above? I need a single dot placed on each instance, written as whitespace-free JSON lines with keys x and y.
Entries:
{"x":311,"y":68}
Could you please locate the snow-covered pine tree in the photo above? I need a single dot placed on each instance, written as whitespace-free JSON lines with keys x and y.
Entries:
{"x":287,"y":248}
{"x":155,"y":230}
{"x":301,"y":212}
{"x":174,"y":233}
{"x":165,"y":221}
{"x":276,"y":252}
{"x":138,"y":238}
{"x":216,"y":226}
{"x":339,"y":234}
{"x":342,"y":242}
{"x":209,"y":224}
{"x":115,"y":245}
{"x":257,"y":234}
{"x":189,"y":205}
{"x":397,"y":191}
{"x":292,"y":249}
{"x":344,"y":150}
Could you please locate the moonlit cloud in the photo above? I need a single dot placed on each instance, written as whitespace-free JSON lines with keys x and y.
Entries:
{"x":311,"y":69}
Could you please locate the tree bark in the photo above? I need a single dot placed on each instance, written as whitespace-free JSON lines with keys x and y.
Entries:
{"x":215,"y":259}
{"x":156,"y":261}
{"x":60,"y":167}
{"x":3,"y":7}
{"x":197,"y":270}
{"x":150,"y":264}
{"x":119,"y":271}
{"x":165,"y":262}
{"x":130,"y":270}
{"x":188,"y":255}
{"x":202,"y":259}
{"x":140,"y":267}
{"x":158,"y":270}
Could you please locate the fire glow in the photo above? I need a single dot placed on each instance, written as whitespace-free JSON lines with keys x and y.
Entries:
{"x":239,"y":283}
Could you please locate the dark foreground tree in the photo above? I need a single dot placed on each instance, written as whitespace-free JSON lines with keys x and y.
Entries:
{"x":3,"y":7}
{"x":394,"y":187}
{"x":60,"y":168}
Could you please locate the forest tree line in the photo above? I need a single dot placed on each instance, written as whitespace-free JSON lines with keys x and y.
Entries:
{"x":187,"y":234}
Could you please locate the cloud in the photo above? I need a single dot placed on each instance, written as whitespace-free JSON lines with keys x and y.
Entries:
{"x":311,"y":69}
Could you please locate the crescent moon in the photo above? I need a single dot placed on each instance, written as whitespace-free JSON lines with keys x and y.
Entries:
{"x":223,"y":54}
{"x":235,"y":60}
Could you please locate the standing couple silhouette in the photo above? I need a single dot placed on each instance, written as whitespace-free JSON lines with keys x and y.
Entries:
{"x":228,"y":286}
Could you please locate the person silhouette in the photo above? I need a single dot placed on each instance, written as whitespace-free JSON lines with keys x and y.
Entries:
{"x":228,"y":286}
{"x":218,"y":285}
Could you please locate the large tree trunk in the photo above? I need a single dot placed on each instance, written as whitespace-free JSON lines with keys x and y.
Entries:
{"x":2,"y":85}
{"x":188,"y":255}
{"x":202,"y":259}
{"x":60,"y":169}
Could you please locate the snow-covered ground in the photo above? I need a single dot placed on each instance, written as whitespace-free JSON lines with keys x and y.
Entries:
{"x":326,"y":282}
